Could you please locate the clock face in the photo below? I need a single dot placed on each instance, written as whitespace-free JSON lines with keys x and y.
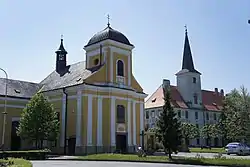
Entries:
{"x":61,"y":57}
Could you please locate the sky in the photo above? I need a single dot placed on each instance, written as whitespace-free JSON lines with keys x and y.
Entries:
{"x":219,"y":35}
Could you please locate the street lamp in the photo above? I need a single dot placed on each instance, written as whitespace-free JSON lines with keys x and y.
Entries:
{"x":5,"y":105}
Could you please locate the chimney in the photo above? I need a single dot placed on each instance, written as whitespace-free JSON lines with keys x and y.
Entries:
{"x":166,"y":83}
{"x":222,"y":92}
{"x":216,"y":91}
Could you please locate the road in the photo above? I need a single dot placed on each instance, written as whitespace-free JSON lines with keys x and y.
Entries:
{"x":102,"y":164}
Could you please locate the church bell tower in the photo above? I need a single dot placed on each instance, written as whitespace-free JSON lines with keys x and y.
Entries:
{"x":61,"y":61}
{"x":188,"y":78}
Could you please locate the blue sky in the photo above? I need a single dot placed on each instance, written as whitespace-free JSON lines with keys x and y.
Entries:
{"x":218,"y":32}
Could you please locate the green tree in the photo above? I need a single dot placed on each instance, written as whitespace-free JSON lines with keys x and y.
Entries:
{"x":168,"y":126}
{"x":209,"y":131}
{"x":234,"y":122}
{"x":39,"y":121}
{"x":189,"y":131}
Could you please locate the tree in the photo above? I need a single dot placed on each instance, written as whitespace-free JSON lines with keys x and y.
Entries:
{"x":39,"y":121}
{"x":234,"y":122}
{"x":189,"y":131}
{"x":168,"y":126}
{"x":209,"y":131}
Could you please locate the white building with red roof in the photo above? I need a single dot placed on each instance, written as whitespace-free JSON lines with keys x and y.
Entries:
{"x":191,"y":103}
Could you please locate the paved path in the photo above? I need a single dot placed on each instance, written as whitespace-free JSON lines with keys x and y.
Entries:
{"x":205,"y":155}
{"x":102,"y":164}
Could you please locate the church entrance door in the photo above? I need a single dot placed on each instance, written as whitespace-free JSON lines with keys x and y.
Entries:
{"x":121,"y":142}
{"x":71,"y":146}
{"x":15,"y":139}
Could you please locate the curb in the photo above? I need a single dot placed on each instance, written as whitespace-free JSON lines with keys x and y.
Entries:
{"x":155,"y":162}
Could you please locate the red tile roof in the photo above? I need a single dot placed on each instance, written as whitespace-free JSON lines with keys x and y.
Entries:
{"x":211,"y":100}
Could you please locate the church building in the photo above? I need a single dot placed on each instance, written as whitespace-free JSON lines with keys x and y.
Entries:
{"x":99,"y":100}
{"x":191,"y":103}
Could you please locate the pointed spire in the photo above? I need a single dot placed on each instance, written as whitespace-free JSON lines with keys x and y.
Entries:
{"x":187,"y":62}
{"x":108,"y":20}
{"x":61,"y":47}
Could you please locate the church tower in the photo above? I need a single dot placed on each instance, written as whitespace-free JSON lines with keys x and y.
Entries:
{"x":111,"y":50}
{"x":61,"y":61}
{"x":188,"y":78}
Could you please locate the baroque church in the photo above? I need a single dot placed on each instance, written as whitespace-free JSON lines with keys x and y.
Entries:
{"x":99,"y":102}
{"x":190,"y":102}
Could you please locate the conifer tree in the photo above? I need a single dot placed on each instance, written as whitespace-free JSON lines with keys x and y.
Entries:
{"x":168,"y":126}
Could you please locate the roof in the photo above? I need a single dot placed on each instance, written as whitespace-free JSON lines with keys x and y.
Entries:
{"x":187,"y":62}
{"x":212,"y":101}
{"x":19,"y":89}
{"x":61,"y":48}
{"x":74,"y":75}
{"x":109,"y":33}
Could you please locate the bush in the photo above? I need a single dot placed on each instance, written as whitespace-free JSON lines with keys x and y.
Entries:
{"x":28,"y":155}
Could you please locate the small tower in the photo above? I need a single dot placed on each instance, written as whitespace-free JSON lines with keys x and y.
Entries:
{"x":61,"y":57}
{"x":188,"y":78}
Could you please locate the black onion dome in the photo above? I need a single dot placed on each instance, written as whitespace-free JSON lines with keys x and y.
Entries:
{"x":109,"y":33}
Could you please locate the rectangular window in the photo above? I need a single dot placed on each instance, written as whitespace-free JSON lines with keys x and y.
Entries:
{"x":120,"y":114}
{"x":215,"y":116}
{"x":207,"y":115}
{"x":153,"y":113}
{"x":195,"y":99}
{"x":196,"y":115}
{"x":194,"y":80}
{"x":198,"y":141}
{"x":159,"y":112}
{"x":179,"y":113}
{"x":147,"y":115}
{"x":186,"y":114}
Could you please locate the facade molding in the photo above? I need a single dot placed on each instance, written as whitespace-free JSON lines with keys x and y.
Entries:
{"x":15,"y":119}
{"x":112,"y":122}
{"x":89,"y":121}
{"x":12,"y":106}
{"x":99,"y":122}
{"x":14,"y":99}
{"x":134,"y":123}
{"x":129,"y":122}
{"x":79,"y":119}
{"x":63,"y":121}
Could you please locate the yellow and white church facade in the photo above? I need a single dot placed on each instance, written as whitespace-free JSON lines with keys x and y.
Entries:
{"x":99,"y":102}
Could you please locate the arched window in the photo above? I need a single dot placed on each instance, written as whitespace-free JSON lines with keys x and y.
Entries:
{"x":120,"y":68}
{"x":120,"y":114}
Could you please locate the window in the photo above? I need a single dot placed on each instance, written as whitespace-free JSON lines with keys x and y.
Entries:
{"x":147,"y":115}
{"x":153,"y":113}
{"x":195,"y":99}
{"x":215,"y":116}
{"x":196,"y":115}
{"x":207,"y":115}
{"x":194,"y":80}
{"x":120,"y":68}
{"x":179,"y":113}
{"x":159,"y":112}
{"x":198,"y":141}
{"x":186,"y":114}
{"x":120,"y":114}
{"x":96,"y":61}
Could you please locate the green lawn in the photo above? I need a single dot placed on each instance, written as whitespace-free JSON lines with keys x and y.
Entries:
{"x":17,"y":162}
{"x":205,"y":150}
{"x":164,"y":159}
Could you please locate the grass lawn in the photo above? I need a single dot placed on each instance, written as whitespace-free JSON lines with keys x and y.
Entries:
{"x":205,"y":150}
{"x":164,"y":159}
{"x":17,"y":162}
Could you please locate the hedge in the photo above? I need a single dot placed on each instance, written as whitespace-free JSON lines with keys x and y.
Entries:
{"x":28,"y":155}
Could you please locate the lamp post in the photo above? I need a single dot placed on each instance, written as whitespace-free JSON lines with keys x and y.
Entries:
{"x":5,"y":105}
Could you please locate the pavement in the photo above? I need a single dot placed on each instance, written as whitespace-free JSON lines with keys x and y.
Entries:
{"x":205,"y":155}
{"x":103,"y":164}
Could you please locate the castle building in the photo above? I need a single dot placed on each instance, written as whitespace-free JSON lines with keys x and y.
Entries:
{"x":190,"y":102}
{"x":99,"y":99}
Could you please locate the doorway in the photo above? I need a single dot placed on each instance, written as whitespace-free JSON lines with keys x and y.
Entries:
{"x":121,"y":142}
{"x":15,"y":139}
{"x":71,"y":146}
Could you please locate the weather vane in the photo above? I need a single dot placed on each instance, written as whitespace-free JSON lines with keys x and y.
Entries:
{"x":61,"y":37}
{"x":108,"y":19}
{"x":185,"y":28}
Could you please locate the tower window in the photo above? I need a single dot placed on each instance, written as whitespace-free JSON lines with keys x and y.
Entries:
{"x":194,"y":80}
{"x":120,"y":68}
{"x":120,"y":113}
{"x":61,"y":57}
{"x":96,"y":61}
{"x":195,"y":99}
